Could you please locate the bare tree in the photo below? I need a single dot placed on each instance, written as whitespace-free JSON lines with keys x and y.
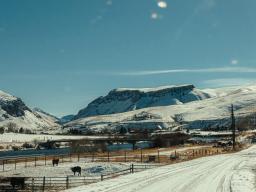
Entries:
{"x":11,"y":127}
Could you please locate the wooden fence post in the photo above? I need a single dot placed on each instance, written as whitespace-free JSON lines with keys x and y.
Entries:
{"x":43,"y":183}
{"x":78,"y":157}
{"x":92,"y":156}
{"x":158,"y":155}
{"x":101,"y":177}
{"x":35,"y":161}
{"x":33,"y":184}
{"x":108,"y":156}
{"x":132,"y":168}
{"x":15,"y":164}
{"x":67,"y":183}
{"x":26,"y":163}
{"x":3,"y":165}
{"x":141,"y":155}
{"x":124,"y":156}
{"x":45,"y":160}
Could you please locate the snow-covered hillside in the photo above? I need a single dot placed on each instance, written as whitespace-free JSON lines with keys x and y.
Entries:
{"x":202,"y":114}
{"x":14,"y":113}
{"x":127,"y":99}
{"x":66,"y":118}
{"x":46,"y":116}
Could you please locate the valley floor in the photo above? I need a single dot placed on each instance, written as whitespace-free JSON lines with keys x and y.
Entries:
{"x":221,"y":173}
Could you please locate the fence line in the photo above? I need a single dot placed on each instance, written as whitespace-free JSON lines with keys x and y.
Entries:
{"x":141,"y":156}
{"x":61,"y":183}
{"x":46,"y":183}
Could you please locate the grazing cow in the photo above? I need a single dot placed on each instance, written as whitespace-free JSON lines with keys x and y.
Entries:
{"x":151,"y":158}
{"x":76,"y":169}
{"x":55,"y":162}
{"x":173,"y":157}
{"x":18,"y":181}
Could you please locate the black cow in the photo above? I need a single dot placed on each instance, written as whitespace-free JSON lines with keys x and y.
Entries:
{"x":76,"y":169}
{"x":18,"y":181}
{"x":55,"y":162}
{"x":173,"y":157}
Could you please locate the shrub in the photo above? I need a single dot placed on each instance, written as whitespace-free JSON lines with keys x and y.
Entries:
{"x":15,"y":148}
{"x":27,"y":145}
{"x":11,"y":127}
{"x":27,"y":131}
{"x":21,"y":130}
{"x":1,"y":130}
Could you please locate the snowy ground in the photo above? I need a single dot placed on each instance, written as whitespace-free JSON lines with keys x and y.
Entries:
{"x":89,"y":169}
{"x":16,"y":137}
{"x":221,"y":173}
{"x":164,"y":151}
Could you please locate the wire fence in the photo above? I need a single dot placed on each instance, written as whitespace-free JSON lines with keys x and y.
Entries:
{"x":139,"y":156}
{"x":140,"y":159}
{"x":42,"y":184}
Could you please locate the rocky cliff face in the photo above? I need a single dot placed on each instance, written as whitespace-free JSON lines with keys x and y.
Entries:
{"x":123,"y":100}
{"x":14,"y":110}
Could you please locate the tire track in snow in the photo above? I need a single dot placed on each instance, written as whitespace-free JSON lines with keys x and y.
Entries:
{"x":211,"y":174}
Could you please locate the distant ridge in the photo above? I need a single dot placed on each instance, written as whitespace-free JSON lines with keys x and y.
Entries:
{"x":128,"y":99}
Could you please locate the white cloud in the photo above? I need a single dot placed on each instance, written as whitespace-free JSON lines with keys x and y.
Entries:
{"x":154,"y":15}
{"x":96,"y":19}
{"x":228,"y":82}
{"x":205,"y":5}
{"x":206,"y":70}
{"x":162,"y":4}
{"x":234,"y":62}
{"x":109,"y":2}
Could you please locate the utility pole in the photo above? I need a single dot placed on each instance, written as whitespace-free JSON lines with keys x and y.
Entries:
{"x":254,"y":120}
{"x":233,"y":127}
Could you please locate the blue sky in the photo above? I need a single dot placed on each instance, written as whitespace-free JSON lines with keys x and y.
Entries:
{"x":61,"y":54}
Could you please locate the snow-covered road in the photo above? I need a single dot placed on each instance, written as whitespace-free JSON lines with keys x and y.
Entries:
{"x":221,"y":173}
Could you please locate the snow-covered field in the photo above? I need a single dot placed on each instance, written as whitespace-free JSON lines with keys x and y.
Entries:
{"x":222,"y":173}
{"x":89,"y":169}
{"x":16,"y":137}
{"x":164,"y":151}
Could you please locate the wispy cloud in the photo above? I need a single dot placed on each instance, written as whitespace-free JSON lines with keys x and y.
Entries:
{"x":109,"y":2}
{"x":102,"y":12}
{"x":205,"y":5}
{"x":222,"y":82}
{"x":155,"y":16}
{"x":202,"y":6}
{"x":206,"y":70}
{"x":234,"y":62}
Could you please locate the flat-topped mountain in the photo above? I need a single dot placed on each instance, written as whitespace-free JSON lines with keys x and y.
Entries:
{"x":206,"y":114}
{"x":129,"y":99}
